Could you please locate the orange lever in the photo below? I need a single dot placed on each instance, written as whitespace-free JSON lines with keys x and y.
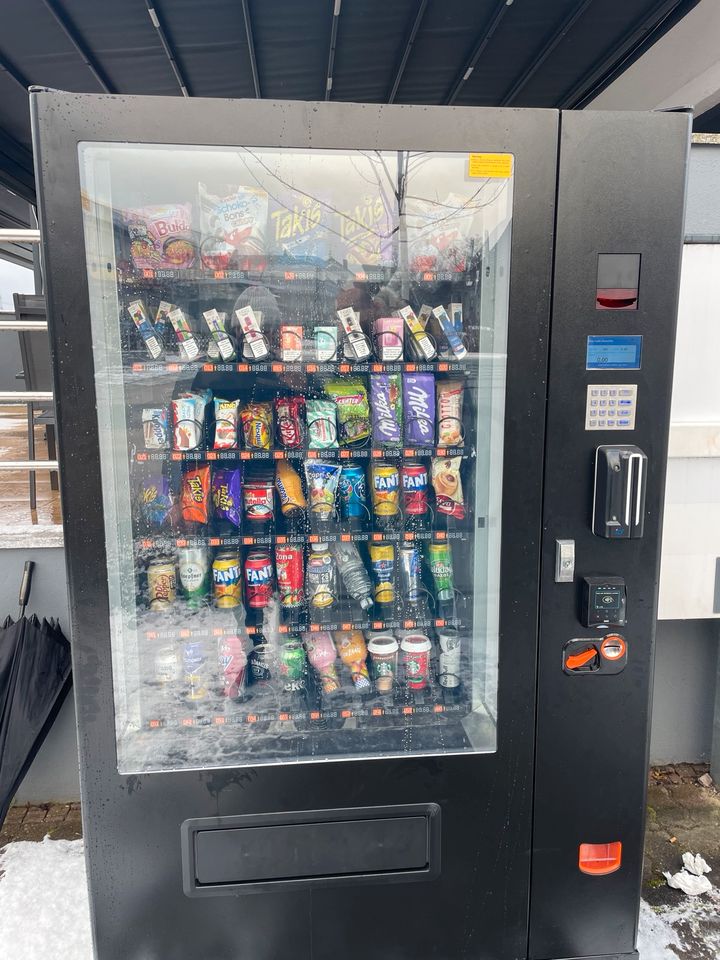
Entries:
{"x":580,"y":659}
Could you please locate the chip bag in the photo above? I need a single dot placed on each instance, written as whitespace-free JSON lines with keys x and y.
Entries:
{"x":353,"y":410}
{"x":226,"y":495}
{"x":195,"y":497}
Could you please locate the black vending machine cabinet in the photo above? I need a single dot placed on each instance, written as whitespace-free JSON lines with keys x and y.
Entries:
{"x":363,"y":418}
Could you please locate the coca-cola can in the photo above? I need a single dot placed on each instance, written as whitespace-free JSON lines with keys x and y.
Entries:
{"x":258,"y":579}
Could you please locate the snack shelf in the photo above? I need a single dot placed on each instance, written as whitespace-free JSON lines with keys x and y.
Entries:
{"x":293,"y":274}
{"x":243,"y":714}
{"x":276,"y":366}
{"x":204,"y":632}
{"x":269,"y":539}
{"x":338,"y":453}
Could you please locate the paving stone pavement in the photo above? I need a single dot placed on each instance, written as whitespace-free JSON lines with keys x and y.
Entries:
{"x":61,"y":821}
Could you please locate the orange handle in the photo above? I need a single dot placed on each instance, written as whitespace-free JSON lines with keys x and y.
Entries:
{"x":580,"y":659}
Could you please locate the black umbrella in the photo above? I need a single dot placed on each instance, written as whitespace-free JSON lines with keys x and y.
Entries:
{"x":35,"y":676}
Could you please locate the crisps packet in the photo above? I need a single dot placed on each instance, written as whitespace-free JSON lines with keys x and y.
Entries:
{"x":156,"y":501}
{"x":195,"y":496}
{"x":257,"y":425}
{"x":448,"y":486}
{"x":226,"y":499}
{"x":226,"y":424}
{"x":353,"y":410}
{"x":322,"y":424}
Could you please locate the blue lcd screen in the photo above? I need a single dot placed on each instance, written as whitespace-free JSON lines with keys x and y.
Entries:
{"x":614,"y":353}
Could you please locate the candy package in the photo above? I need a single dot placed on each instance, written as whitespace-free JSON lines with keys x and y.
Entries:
{"x":231,"y":225}
{"x":257,"y":425}
{"x":353,"y":411}
{"x":156,"y":501}
{"x":419,"y":409}
{"x":188,"y":415}
{"x":226,"y":494}
{"x":226,"y":424}
{"x":289,"y":417}
{"x":448,"y":486}
{"x":155,"y":428}
{"x":386,"y":400}
{"x":161,"y":236}
{"x":449,"y":412}
{"x":195,"y":496}
{"x":322,"y":424}
{"x":289,"y":489}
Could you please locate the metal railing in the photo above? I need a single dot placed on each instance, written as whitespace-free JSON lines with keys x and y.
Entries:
{"x":8,"y":322}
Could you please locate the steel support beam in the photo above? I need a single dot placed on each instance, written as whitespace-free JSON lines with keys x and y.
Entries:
{"x":482,"y":42}
{"x":331,"y":54}
{"x":417,"y":20}
{"x":158,"y":23}
{"x":251,"y":47}
{"x":561,"y":32}
{"x":76,"y":40}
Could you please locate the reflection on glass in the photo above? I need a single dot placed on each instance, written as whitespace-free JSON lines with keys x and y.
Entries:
{"x":300,"y":368}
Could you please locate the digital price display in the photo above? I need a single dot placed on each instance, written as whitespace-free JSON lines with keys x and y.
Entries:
{"x":614,"y":353}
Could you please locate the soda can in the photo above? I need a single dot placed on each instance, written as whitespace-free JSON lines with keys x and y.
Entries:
{"x":227,"y":585}
{"x":385,"y":490}
{"x":410,"y":573}
{"x":194,"y":575}
{"x":259,"y":664}
{"x":195,"y":668}
{"x":353,"y":493}
{"x":166,"y":665}
{"x":290,"y":575}
{"x":293,"y":666}
{"x":449,"y":661}
{"x":232,"y":666}
{"x":258,"y":579}
{"x":161,"y":583}
{"x":415,"y":482}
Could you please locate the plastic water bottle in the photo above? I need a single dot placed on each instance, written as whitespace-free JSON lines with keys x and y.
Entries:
{"x":353,"y":573}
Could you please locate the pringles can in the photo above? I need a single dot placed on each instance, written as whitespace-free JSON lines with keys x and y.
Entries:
{"x":227,"y":585}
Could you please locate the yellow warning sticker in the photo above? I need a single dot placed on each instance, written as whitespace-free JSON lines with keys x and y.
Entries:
{"x":497,"y":165}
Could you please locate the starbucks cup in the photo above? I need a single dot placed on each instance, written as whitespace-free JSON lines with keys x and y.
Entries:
{"x":416,"y":660}
{"x":383,"y":650}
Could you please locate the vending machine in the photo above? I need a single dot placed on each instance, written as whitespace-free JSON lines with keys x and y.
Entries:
{"x":363,"y":417}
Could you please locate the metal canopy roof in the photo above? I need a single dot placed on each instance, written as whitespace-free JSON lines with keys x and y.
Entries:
{"x":539,"y":53}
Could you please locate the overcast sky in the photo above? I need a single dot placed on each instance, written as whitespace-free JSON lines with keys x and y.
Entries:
{"x":13,"y":279}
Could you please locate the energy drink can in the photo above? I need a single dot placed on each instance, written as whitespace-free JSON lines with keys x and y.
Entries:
{"x":259,"y":664}
{"x":227,"y":585}
{"x":161,"y":582}
{"x":194,"y":575}
{"x":195,"y":667}
{"x":410,"y":574}
{"x":353,"y":495}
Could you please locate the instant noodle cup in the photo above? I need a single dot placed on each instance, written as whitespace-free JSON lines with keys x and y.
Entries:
{"x":161,"y":236}
{"x":195,"y":497}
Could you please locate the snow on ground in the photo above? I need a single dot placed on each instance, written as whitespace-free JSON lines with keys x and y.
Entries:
{"x":44,"y":908}
{"x":43,"y":901}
